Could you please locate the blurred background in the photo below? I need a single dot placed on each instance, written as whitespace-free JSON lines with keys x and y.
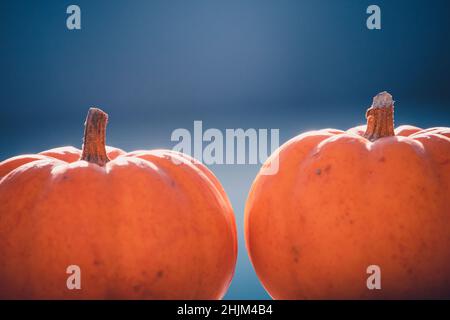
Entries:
{"x":158,"y":65}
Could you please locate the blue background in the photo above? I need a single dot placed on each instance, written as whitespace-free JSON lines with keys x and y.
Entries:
{"x":155,"y":66}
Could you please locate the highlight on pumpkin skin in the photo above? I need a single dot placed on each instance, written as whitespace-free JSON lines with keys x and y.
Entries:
{"x":68,"y":154}
{"x":10,"y":164}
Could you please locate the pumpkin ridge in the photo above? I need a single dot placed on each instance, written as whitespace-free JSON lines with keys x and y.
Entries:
{"x":13,"y":163}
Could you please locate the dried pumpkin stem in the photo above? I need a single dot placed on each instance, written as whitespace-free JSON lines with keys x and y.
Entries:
{"x":94,"y":142}
{"x":380,"y":117}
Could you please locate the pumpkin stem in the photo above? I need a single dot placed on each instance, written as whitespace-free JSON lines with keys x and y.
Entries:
{"x":380,"y":117}
{"x":94,"y":142}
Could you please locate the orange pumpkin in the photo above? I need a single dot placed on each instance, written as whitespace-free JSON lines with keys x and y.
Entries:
{"x":140,"y":225}
{"x":343,"y":201}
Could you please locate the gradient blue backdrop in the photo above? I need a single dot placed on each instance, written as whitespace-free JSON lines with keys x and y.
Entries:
{"x":155,"y":66}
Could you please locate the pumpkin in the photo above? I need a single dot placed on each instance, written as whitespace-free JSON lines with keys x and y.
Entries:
{"x":139,"y":225}
{"x":343,"y":201}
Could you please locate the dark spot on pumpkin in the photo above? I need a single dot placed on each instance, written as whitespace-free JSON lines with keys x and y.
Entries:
{"x":147,"y":294}
{"x":97,"y":262}
{"x":351,"y":221}
{"x":423,"y":245}
{"x":111,"y":294}
{"x":382,"y":159}
{"x":65,"y":177}
{"x":160,"y":274}
{"x":302,"y":219}
{"x":327,"y":168}
{"x":137,"y":288}
{"x":318,"y":171}
{"x":295,"y":253}
{"x":172,"y":183}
